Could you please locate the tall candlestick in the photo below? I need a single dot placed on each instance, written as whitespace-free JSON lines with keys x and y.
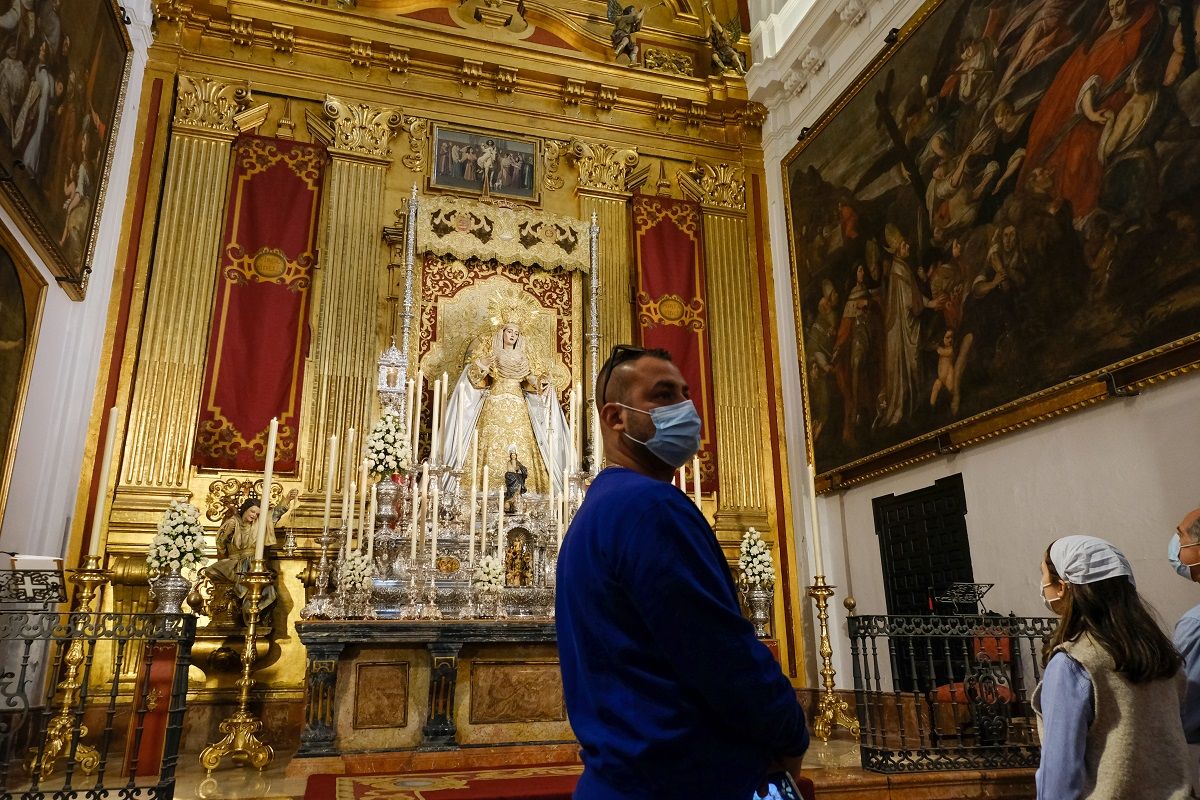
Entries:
{"x":371,"y":521}
{"x":474,"y":489}
{"x":102,"y":486}
{"x":483,"y":522}
{"x":347,"y":471}
{"x":433,"y":536}
{"x":330,"y":472}
{"x":696,"y":480}
{"x":350,"y":522}
{"x":434,"y":439}
{"x":264,"y":505}
{"x":419,"y":401}
{"x":819,"y":562}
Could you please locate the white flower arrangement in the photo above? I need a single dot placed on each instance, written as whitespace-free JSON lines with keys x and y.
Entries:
{"x":388,"y":450}
{"x":489,"y":572}
{"x":179,"y":543}
{"x":754,"y":560}
{"x":355,"y":572}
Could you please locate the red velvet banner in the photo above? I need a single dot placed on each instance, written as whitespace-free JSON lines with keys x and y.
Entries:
{"x":259,"y":334}
{"x":671,"y":308}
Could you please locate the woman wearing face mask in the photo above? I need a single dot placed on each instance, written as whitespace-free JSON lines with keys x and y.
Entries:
{"x":1108,"y":703}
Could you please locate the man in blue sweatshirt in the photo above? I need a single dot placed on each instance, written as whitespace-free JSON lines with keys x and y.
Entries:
{"x":667,"y":688}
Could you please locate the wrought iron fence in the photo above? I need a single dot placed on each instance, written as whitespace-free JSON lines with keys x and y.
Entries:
{"x":69,"y":727}
{"x":946,"y":692}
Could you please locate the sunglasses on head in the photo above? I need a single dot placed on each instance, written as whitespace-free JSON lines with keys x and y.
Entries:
{"x":619,"y":355}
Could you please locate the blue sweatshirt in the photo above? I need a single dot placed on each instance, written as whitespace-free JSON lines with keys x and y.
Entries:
{"x":668,"y":690}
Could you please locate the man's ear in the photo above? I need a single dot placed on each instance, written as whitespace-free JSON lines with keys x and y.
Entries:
{"x":610,"y":416}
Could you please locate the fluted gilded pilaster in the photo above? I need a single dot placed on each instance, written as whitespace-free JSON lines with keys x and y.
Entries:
{"x":353,"y":276}
{"x":736,"y":330}
{"x":170,"y":363}
{"x":603,"y":171}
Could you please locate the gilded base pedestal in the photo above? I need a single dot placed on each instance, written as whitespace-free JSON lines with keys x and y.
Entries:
{"x":831,"y":712}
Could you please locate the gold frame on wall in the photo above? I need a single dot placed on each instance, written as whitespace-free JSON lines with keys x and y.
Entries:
{"x":431,"y":181}
{"x":1122,"y":377}
{"x":33,"y":287}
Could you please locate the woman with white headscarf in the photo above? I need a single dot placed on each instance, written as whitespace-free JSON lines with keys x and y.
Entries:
{"x":1108,"y":704}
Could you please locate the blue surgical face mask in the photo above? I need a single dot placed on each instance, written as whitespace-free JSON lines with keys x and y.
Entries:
{"x":676,"y":432}
{"x":1173,"y":556}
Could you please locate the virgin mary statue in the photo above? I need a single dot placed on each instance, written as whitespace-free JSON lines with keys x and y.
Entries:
{"x":505,"y":394}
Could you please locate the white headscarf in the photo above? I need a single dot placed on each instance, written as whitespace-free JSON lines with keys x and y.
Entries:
{"x":1087,"y":559}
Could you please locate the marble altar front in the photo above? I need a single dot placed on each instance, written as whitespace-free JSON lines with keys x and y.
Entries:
{"x":376,"y":685}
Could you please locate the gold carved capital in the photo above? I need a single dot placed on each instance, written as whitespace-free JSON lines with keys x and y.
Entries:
{"x":418,"y":139}
{"x":205,"y":104}
{"x":722,"y":186}
{"x":552,"y":153}
{"x":603,"y":166}
{"x":360,"y":129}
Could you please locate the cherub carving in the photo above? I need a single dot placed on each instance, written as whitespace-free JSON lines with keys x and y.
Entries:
{"x":723,"y":39}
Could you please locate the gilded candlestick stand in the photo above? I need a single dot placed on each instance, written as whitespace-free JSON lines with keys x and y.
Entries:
{"x":62,"y":727}
{"x":831,"y":712}
{"x":241,"y":730}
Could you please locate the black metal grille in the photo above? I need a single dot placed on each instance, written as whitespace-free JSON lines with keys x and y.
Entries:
{"x":947,"y":692}
{"x":50,"y":667}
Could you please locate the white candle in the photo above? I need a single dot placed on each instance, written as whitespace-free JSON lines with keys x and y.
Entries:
{"x":364,"y":483}
{"x":408,"y":408}
{"x":445,"y":395}
{"x":371,"y":521}
{"x":571,"y":423}
{"x":330,"y":472}
{"x":418,"y":401}
{"x":350,"y":521}
{"x":579,"y":425}
{"x":483,"y":523}
{"x":102,"y":486}
{"x":474,"y":490}
{"x":348,"y":460}
{"x":414,"y":520}
{"x":265,"y":504}
{"x":434,"y":441}
{"x":566,"y":495}
{"x":433,"y":537}
{"x":818,"y":561}
{"x":696,"y":480}
{"x":500,"y":528}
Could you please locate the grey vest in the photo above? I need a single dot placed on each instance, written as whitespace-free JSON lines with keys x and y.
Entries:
{"x":1135,"y":745}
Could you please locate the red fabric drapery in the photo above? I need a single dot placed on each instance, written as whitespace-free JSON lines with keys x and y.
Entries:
{"x":672,"y":310}
{"x":259,"y":334}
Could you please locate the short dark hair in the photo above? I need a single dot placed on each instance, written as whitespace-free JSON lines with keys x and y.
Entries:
{"x":622,"y":354}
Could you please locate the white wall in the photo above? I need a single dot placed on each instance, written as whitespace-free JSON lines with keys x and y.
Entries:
{"x":54,"y":427}
{"x":1127,"y":470}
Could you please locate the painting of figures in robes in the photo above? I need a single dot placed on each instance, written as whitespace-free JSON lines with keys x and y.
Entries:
{"x":1005,"y":204}
{"x":62,"y":68}
{"x":484,"y":163}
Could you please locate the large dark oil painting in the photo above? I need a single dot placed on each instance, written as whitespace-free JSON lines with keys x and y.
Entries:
{"x":1006,"y":202}
{"x":62,"y":67}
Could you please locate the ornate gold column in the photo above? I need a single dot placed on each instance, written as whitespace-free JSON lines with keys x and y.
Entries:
{"x":603,"y":170}
{"x":737,"y":352}
{"x":352,"y":277}
{"x":170,"y":361}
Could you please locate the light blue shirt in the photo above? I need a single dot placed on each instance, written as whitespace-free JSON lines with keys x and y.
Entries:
{"x":1067,"y":713}
{"x":1187,"y":642}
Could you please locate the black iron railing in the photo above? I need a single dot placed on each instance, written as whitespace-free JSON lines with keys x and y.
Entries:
{"x":946,"y":692}
{"x":68,"y":727}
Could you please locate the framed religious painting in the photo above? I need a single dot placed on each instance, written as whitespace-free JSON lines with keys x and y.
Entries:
{"x":998,"y":221}
{"x":22,"y":294}
{"x":485,"y":163}
{"x":63,"y":66}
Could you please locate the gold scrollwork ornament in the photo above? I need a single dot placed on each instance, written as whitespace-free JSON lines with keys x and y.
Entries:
{"x":362,"y":129}
{"x":206,"y":104}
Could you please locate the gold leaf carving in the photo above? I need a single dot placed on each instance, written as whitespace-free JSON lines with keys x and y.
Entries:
{"x":205,"y":104}
{"x":361,"y":129}
{"x":670,"y":310}
{"x":669,"y":62}
{"x":552,"y":153}
{"x":603,"y":166}
{"x":723,"y":186}
{"x":418,"y":138}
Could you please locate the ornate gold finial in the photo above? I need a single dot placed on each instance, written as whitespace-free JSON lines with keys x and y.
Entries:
{"x":723,"y":186}
{"x":206,"y":104}
{"x":361,"y":129}
{"x":512,"y":306}
{"x":603,"y":166}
